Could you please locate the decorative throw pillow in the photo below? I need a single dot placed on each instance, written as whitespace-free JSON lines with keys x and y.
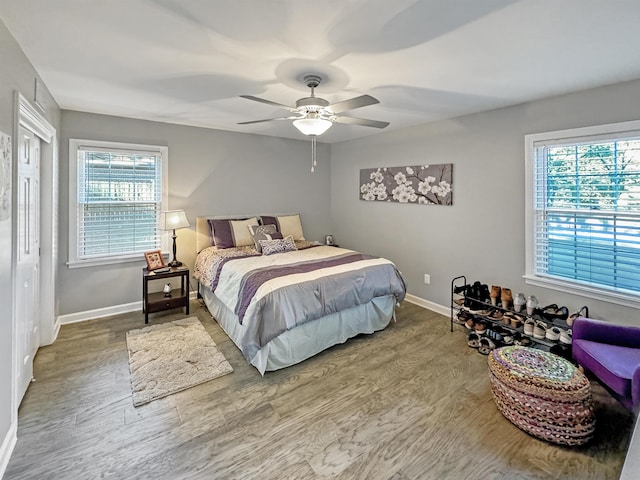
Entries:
{"x":269,"y":247}
{"x":286,"y":225}
{"x":264,"y":232}
{"x":232,"y":233}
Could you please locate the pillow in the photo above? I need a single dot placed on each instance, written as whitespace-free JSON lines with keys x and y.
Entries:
{"x":264,"y":232}
{"x":286,"y":224}
{"x":232,"y":233}
{"x":269,"y":247}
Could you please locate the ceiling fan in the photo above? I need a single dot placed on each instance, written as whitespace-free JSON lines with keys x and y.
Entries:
{"x":314,"y":115}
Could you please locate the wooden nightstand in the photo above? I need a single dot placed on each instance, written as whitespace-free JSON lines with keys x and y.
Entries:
{"x":157,"y":301}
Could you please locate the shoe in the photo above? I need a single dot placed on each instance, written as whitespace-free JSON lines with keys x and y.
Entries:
{"x":529,"y":326}
{"x":460,"y":289}
{"x":583,"y":312}
{"x":468,"y":296}
{"x":562,"y":313}
{"x":494,"y":295}
{"x":566,"y":337}
{"x":517,"y":320}
{"x":506,"y":318}
{"x":495,"y":334}
{"x":532,"y":304}
{"x":473,"y":340}
{"x":540,"y":330}
{"x":506,"y":297}
{"x":495,"y":314}
{"x":462,"y":317}
{"x":521,"y":341}
{"x":518,"y":302}
{"x":480,"y":327}
{"x":553,"y":334}
{"x":486,"y":346}
{"x":552,"y":311}
{"x":474,"y":297}
{"x":549,"y":311}
{"x":485,"y":296}
{"x":470,"y":323}
{"x":507,"y":338}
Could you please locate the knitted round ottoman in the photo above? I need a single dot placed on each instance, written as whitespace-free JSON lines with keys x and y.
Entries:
{"x":542,"y":394}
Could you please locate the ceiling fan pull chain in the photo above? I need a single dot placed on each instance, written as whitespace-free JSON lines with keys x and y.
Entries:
{"x":313,"y":153}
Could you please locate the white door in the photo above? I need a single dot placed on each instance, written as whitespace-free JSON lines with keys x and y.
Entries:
{"x":27,"y":287}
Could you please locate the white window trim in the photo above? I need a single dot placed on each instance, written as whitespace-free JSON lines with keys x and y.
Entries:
{"x":530,"y":277}
{"x":74,"y":144}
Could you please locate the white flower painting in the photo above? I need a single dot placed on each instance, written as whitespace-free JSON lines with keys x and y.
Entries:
{"x":421,"y":184}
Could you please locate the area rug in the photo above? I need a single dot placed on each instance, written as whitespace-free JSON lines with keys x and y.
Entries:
{"x":171,"y":357}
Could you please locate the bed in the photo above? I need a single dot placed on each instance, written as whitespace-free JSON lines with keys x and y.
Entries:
{"x":282,"y":307}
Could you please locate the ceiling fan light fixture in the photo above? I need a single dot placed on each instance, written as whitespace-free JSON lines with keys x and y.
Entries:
{"x":312,"y":125}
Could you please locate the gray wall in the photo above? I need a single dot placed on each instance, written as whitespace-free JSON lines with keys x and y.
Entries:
{"x":482,"y":234}
{"x":16,"y":73}
{"x":211,"y":172}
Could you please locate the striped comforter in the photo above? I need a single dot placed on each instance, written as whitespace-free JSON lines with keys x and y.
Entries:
{"x":274,"y":293}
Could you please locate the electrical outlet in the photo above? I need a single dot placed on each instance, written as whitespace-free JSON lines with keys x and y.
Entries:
{"x":427,"y":278}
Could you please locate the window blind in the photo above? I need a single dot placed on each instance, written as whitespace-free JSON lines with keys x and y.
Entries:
{"x":119,"y":200}
{"x":587,"y":211}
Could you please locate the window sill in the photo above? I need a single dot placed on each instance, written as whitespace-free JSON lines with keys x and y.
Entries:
{"x":96,"y":262}
{"x":619,"y":298}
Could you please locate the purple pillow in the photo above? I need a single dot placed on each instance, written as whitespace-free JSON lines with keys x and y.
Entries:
{"x":232,"y":233}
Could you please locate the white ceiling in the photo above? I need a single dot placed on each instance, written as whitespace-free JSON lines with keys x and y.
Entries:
{"x":187,"y":61}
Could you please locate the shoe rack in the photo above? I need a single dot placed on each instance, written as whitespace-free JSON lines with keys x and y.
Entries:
{"x":457,"y":295}
{"x":483,"y":310}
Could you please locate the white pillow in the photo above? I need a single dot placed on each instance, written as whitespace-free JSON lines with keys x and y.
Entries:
{"x":291,"y":225}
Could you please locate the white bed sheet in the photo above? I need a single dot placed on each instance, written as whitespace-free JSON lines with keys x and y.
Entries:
{"x":308,"y":339}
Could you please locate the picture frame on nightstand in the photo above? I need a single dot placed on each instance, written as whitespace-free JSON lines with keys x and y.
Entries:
{"x":154,"y":260}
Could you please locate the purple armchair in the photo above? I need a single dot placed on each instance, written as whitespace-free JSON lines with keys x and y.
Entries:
{"x":611,"y":353}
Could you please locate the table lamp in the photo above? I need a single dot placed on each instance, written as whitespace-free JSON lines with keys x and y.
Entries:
{"x":175,"y":219}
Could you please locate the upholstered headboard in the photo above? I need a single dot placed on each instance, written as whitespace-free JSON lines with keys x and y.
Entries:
{"x":203,"y":234}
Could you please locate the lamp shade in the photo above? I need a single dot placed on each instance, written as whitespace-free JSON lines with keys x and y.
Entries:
{"x":312,"y":125}
{"x":175,"y":219}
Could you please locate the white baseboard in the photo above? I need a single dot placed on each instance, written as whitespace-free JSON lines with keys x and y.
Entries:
{"x":421,"y":302}
{"x":136,"y":306}
{"x":8,"y":444}
{"x":105,"y":312}
{"x":99,"y":313}
{"x":54,"y":336}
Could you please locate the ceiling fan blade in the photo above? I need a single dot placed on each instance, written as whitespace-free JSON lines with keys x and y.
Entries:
{"x":269,"y":102}
{"x":361,"y":121}
{"x":353,"y":103}
{"x":267,"y":120}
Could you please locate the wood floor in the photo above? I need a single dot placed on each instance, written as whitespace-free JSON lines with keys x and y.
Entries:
{"x":410,"y":402}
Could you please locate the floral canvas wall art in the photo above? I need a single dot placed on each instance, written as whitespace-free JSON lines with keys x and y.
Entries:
{"x":420,"y":184}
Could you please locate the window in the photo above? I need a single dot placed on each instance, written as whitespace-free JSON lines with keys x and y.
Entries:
{"x":116,"y":194}
{"x":583,"y":211}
